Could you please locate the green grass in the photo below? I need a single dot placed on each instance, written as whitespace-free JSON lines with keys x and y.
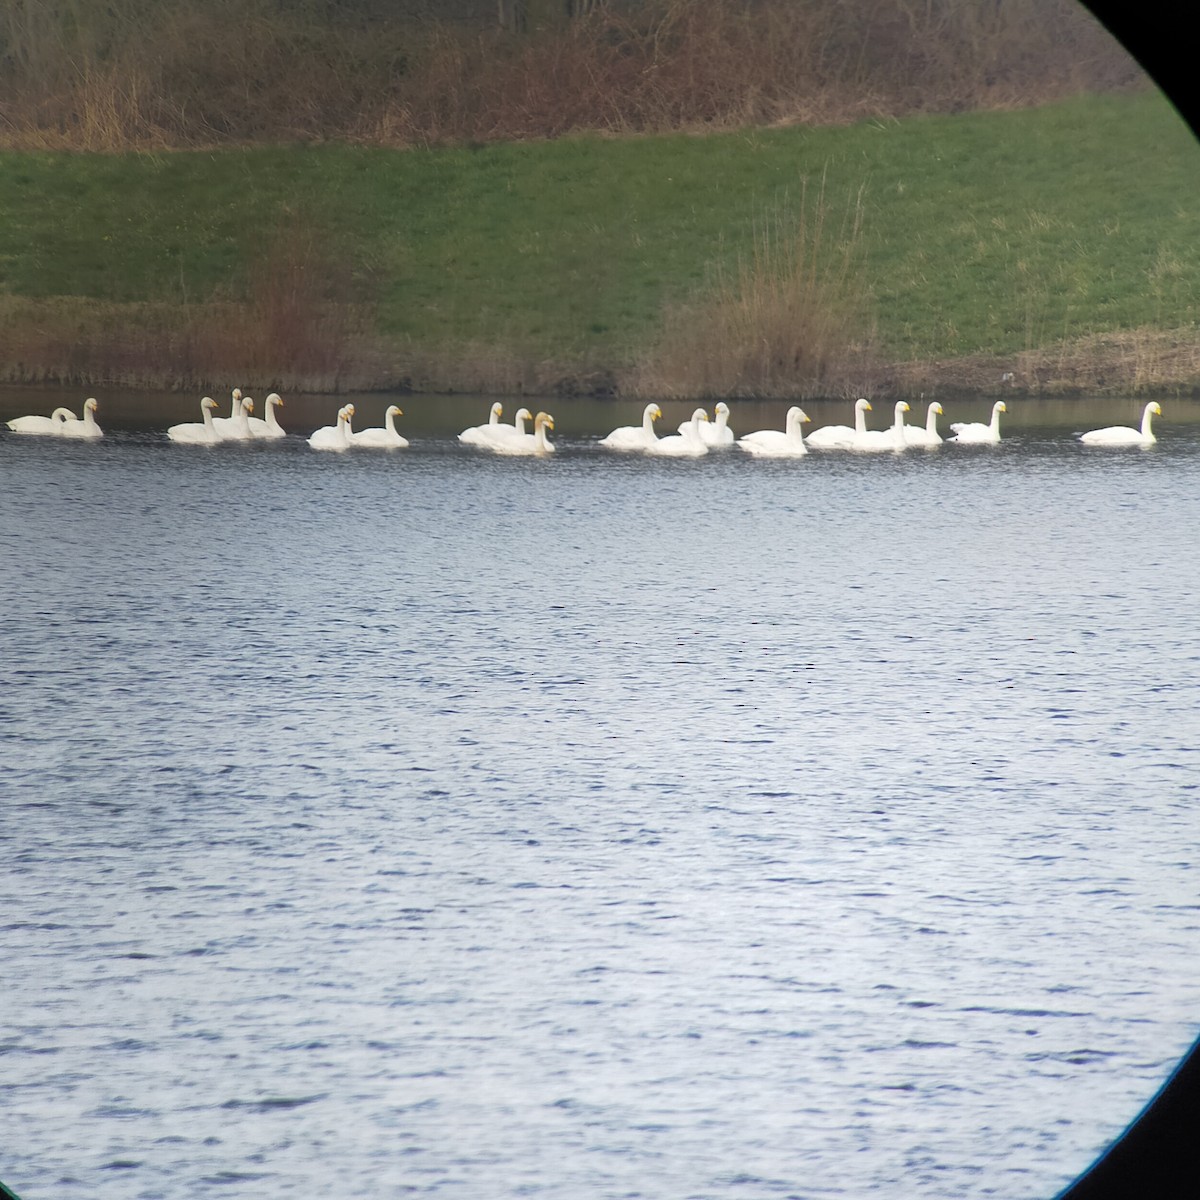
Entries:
{"x":984,"y":232}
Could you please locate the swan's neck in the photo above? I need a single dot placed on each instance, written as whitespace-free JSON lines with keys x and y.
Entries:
{"x":794,"y":431}
{"x":519,"y":422}
{"x":494,"y":417}
{"x":207,"y":411}
{"x":860,"y":419}
{"x":89,"y":418}
{"x":236,"y":407}
{"x":995,"y":425}
{"x":931,"y":422}
{"x":648,"y":423}
{"x":390,"y":423}
{"x":272,"y":422}
{"x":539,"y":438}
{"x":898,"y":422}
{"x":721,"y":421}
{"x":1146,"y":415}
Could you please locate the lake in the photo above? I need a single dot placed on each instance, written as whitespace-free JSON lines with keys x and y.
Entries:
{"x":427,"y":823}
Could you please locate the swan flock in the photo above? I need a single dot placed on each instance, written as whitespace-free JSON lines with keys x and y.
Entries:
{"x":696,"y":437}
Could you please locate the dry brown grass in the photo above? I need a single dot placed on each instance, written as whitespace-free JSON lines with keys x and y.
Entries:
{"x":789,"y":321}
{"x":1133,"y":362}
{"x":139,"y":74}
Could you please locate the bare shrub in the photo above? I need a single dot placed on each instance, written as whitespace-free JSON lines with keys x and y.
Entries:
{"x":791,"y":320}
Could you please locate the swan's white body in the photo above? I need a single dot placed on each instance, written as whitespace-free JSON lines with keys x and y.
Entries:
{"x":385,"y":438}
{"x":228,"y":427}
{"x":502,"y":433}
{"x":689,"y":444}
{"x":528,"y":443}
{"x":842,"y":437}
{"x":197,"y":433}
{"x":483,"y":435}
{"x":635,"y":437}
{"x":715,"y":432}
{"x":876,"y":440}
{"x":773,"y":443}
{"x":270,"y":428}
{"x":927,"y":436}
{"x":334,"y":437}
{"x":239,"y":430}
{"x":1124,"y":435}
{"x":87,"y":428}
{"x":977,"y":433}
{"x":51,"y":425}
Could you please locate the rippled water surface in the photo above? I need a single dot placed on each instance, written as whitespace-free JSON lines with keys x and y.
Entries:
{"x":595,"y":827}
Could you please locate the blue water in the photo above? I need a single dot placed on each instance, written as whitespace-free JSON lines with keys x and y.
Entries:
{"x":429,"y":824}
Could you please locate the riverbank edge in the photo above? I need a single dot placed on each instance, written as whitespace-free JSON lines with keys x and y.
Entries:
{"x":1142,"y":362}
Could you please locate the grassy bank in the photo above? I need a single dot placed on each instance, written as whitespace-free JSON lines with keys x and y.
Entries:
{"x":1061,"y":244}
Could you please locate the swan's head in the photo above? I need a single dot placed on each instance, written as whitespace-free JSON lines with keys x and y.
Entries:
{"x":902,"y":406}
{"x":523,"y":414}
{"x":722,"y":408}
{"x":497,"y":409}
{"x":1001,"y":406}
{"x":208,"y":402}
{"x":700,"y":415}
{"x":936,"y":407}
{"x":394,"y":410}
{"x":544,"y":421}
{"x":862,"y":404}
{"x":91,"y":404}
{"x":349,"y":410}
{"x":1156,"y":408}
{"x":274,"y":398}
{"x":652,"y":412}
{"x":236,"y":393}
{"x":247,"y":405}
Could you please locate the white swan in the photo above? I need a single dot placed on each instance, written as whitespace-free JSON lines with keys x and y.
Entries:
{"x":87,"y":428}
{"x":927,"y":436}
{"x":528,"y":443}
{"x":975,"y":431}
{"x":716,"y":432}
{"x":270,"y":428}
{"x":384,"y":438}
{"x":1124,"y":435}
{"x":507,"y":433}
{"x":635,"y":437}
{"x":772,"y":443}
{"x":892,"y":438}
{"x":44,"y":425}
{"x":842,"y":437}
{"x":239,"y":430}
{"x":334,"y":437}
{"x":233,"y":421}
{"x":197,"y":433}
{"x":689,"y":444}
{"x":481,"y":435}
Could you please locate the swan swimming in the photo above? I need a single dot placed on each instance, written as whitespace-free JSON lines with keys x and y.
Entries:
{"x":482,"y":435}
{"x":239,"y":430}
{"x":1124,"y":435}
{"x":842,"y":437}
{"x":51,"y":425}
{"x":976,"y":432}
{"x":772,"y":443}
{"x":528,"y":443}
{"x":927,"y":436}
{"x":891,"y":438}
{"x":334,"y":437}
{"x":716,"y":432}
{"x":689,"y":444}
{"x":231,"y":423}
{"x":197,"y":433}
{"x":385,"y":437}
{"x":270,"y":428}
{"x":635,"y":437}
{"x":87,"y":428}
{"x":516,"y":431}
